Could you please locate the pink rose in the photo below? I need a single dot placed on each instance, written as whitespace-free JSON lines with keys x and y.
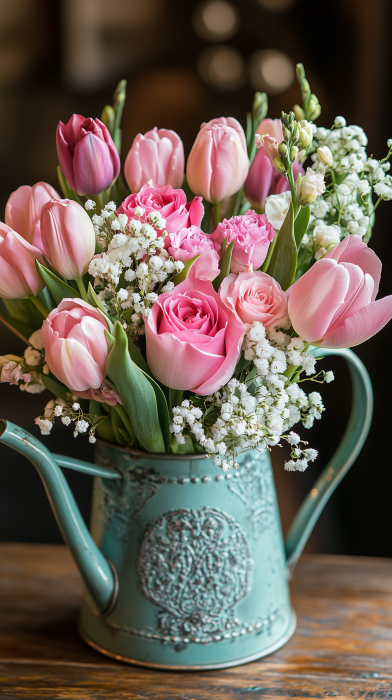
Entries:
{"x":193,"y":340}
{"x":252,"y":234}
{"x":76,"y":347}
{"x":171,"y":204}
{"x":187,"y":243}
{"x":255,"y":296}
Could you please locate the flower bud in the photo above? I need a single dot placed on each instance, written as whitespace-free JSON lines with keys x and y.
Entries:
{"x":157,"y":155}
{"x":270,"y":145}
{"x":108,"y":117}
{"x":18,"y":273}
{"x":314,"y":109}
{"x":309,"y":187}
{"x":285,"y":118}
{"x":282,"y":148}
{"x":260,"y":107}
{"x":299,"y":113}
{"x":68,"y":237}
{"x":279,"y":165}
{"x":286,"y":133}
{"x":293,"y":153}
{"x":325,"y":156}
{"x":296,"y":134}
{"x":23,"y":210}
{"x":305,"y":135}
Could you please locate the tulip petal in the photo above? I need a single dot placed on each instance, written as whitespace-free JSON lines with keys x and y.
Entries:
{"x":199,"y":169}
{"x":360,"y":326}
{"x":352,"y":249}
{"x":93,"y":169}
{"x":321,"y":292}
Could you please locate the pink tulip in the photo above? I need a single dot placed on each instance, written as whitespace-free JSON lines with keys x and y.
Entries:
{"x":157,"y":155}
{"x":68,"y":237}
{"x":18,"y":274}
{"x":263,"y":180}
{"x":73,"y":336}
{"x":23,"y":210}
{"x":333,"y":304}
{"x":171,"y":204}
{"x":218,"y":162}
{"x":193,"y":340}
{"x":87,"y":155}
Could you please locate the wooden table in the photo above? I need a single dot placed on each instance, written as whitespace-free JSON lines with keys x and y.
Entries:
{"x":342,"y":647}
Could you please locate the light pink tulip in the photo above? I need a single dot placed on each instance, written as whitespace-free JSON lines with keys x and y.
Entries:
{"x":252,"y":234}
{"x":87,"y":154}
{"x":218,"y":163}
{"x":187,"y":243}
{"x":18,"y":273}
{"x":73,"y":336}
{"x":171,"y":204}
{"x":157,"y":155}
{"x":23,"y":210}
{"x":255,"y":296}
{"x":333,"y":304}
{"x":193,"y":340}
{"x":68,"y":237}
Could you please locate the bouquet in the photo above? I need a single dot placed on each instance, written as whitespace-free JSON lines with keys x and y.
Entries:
{"x":181,"y":314}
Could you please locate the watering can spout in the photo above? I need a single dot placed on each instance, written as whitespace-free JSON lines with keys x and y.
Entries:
{"x":98,"y":573}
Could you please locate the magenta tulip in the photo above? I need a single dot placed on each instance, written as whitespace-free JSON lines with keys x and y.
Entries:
{"x":73,"y":336}
{"x":193,"y":340}
{"x":157,"y":155}
{"x":23,"y":210}
{"x":87,"y":155}
{"x":68,"y":237}
{"x":333,"y":304}
{"x":218,"y":162}
{"x":18,"y":274}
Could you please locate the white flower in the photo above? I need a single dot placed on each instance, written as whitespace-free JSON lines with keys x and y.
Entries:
{"x":44,"y":425}
{"x":383,"y":190}
{"x":310,"y":454}
{"x":32,"y":357}
{"x":89,"y":204}
{"x":309,"y":187}
{"x":340,"y":122}
{"x":326,"y":236}
{"x":293,"y":438}
{"x":139,"y":211}
{"x":276,"y":208}
{"x":58,"y":411}
{"x":325,"y":156}
{"x":76,"y":406}
{"x":81,"y":426}
{"x":92,"y":438}
{"x":65,"y":420}
{"x":36,"y":340}
{"x":168,"y":287}
{"x":329,"y":377}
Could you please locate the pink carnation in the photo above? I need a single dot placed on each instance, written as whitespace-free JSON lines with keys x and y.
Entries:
{"x":170,"y":203}
{"x":187,"y":243}
{"x":105,"y":394}
{"x":252,"y":234}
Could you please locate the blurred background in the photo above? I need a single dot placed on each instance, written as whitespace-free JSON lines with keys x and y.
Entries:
{"x":185,"y":63}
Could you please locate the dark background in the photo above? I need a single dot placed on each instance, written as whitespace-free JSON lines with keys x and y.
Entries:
{"x":59,"y":58}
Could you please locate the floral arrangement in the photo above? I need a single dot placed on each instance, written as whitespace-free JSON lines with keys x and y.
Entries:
{"x":182,"y":315}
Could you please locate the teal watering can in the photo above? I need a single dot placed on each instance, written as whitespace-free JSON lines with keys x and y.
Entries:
{"x":185,"y":567}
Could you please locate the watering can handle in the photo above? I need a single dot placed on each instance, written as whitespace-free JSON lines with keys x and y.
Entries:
{"x":345,"y":455}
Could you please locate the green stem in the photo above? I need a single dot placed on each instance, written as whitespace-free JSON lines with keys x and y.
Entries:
{"x":217,"y":213}
{"x":265,"y":265}
{"x":82,"y":290}
{"x":124,"y":417}
{"x":39,"y":305}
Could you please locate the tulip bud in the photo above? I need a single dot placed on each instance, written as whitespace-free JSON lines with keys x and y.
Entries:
{"x":87,"y":155}
{"x":68,"y":237}
{"x":309,"y":187}
{"x":157,"y":155}
{"x":282,"y":148}
{"x":23,"y":210}
{"x":325,"y":156}
{"x":19,"y":277}
{"x":259,"y":181}
{"x":218,"y":163}
{"x":299,"y":113}
{"x":293,"y":153}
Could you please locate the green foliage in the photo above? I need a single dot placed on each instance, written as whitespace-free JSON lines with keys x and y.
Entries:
{"x":55,"y":387}
{"x":58,"y":289}
{"x":226,"y":253}
{"x":181,"y":276}
{"x":22,"y":330}
{"x":105,"y":429}
{"x":137,"y":393}
{"x":66,"y":188}
{"x":301,"y":224}
{"x":284,"y":257}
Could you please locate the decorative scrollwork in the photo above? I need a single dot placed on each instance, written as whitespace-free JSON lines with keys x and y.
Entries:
{"x":126,"y":498}
{"x":195,"y":565}
{"x":255,"y":488}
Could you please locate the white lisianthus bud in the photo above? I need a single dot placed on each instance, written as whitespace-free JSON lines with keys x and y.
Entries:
{"x":325,"y":156}
{"x":326,"y":237}
{"x":340,"y":122}
{"x":309,"y":187}
{"x":276,"y":208}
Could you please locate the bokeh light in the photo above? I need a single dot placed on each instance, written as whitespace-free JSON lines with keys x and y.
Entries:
{"x":222,"y":67}
{"x":271,"y":70}
{"x":216,"y":20}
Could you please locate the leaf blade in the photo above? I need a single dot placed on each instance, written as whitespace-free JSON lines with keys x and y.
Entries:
{"x":284,"y":257}
{"x":59,"y":290}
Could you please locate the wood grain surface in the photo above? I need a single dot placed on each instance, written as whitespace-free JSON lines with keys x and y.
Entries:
{"x":342,"y":647}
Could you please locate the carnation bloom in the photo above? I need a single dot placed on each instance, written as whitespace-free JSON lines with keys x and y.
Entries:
{"x":333,"y":304}
{"x":252,"y":234}
{"x":170,"y":203}
{"x":255,"y":296}
{"x":187,"y":243}
{"x":193,"y":341}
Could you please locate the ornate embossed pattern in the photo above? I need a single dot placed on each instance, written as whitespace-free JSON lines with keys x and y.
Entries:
{"x":126,"y":498}
{"x":255,"y":488}
{"x":195,"y":565}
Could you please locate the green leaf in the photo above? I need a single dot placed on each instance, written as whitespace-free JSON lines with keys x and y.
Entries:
{"x":120,"y":422}
{"x":224,"y":266}
{"x":55,"y":387}
{"x":138,"y":358}
{"x":104,"y":430}
{"x":186,"y":449}
{"x":95,"y":301}
{"x":22,"y":330}
{"x":284,"y":257}
{"x":137,"y":394}
{"x":264,"y":267}
{"x":67,"y":190}
{"x":163,"y":410}
{"x":181,"y":276}
{"x":58,"y":289}
{"x":23,"y":310}
{"x":301,"y":224}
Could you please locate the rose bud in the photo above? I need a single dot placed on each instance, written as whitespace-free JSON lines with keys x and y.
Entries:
{"x":218,"y":162}
{"x":157,"y":155}
{"x":68,"y":237}
{"x":76,"y":347}
{"x":87,"y":155}
{"x":333,"y":304}
{"x":23,"y":210}
{"x":19,"y":277}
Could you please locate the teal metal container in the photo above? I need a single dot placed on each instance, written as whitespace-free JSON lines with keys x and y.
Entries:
{"x":185,"y":567}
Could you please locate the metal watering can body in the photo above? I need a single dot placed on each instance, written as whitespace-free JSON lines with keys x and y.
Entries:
{"x":185,"y":566}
